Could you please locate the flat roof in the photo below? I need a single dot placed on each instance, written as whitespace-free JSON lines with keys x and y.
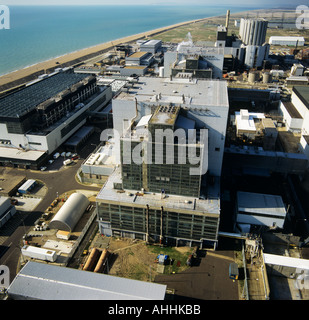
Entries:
{"x":79,"y":136}
{"x":303,"y":94}
{"x":260,"y":203}
{"x":135,"y":67}
{"x":290,"y":108}
{"x":24,"y":100}
{"x":203,"y":93}
{"x":14,"y":153}
{"x":210,"y":206}
{"x":138,"y":54}
{"x":284,"y":261}
{"x":50,"y":282}
{"x":152,"y":42}
{"x":286,"y":38}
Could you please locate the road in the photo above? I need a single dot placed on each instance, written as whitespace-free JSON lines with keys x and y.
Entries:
{"x":61,"y":181}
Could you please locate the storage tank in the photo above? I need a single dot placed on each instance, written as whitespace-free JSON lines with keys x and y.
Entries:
{"x":253,"y":76}
{"x":161,"y":72}
{"x":92,"y":260}
{"x":267,"y":78}
{"x":101,"y":262}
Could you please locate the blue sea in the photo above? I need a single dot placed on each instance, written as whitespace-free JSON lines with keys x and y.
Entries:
{"x":39,"y":33}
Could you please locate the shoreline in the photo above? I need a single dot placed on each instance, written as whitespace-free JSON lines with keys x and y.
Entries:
{"x":21,"y":76}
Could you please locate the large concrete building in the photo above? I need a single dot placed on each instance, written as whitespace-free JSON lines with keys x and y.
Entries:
{"x":253,"y":31}
{"x":167,"y":200}
{"x":38,"y":118}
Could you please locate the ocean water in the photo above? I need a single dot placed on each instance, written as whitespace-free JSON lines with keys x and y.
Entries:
{"x":39,"y":33}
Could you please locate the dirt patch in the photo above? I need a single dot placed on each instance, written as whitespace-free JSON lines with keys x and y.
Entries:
{"x":132,"y":259}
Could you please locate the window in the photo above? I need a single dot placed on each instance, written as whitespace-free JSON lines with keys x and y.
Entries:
{"x":217,"y":149}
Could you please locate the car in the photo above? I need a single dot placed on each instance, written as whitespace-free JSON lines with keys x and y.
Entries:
{"x":63,"y":154}
{"x":56,"y":155}
{"x":50,"y":161}
{"x":75,"y":157}
{"x":43,"y":168}
{"x":68,"y":154}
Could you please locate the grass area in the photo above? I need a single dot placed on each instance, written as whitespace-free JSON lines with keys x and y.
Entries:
{"x":206,"y":30}
{"x":179,"y":257}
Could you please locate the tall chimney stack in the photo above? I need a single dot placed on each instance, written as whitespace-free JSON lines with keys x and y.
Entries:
{"x":227,"y":19}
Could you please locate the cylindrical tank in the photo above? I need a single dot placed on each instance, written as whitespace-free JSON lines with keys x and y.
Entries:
{"x":267,"y":77}
{"x":101,"y":262}
{"x":92,"y":260}
{"x":161,"y":72}
{"x":252,"y":76}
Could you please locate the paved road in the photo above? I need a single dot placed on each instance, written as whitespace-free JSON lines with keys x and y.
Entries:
{"x":61,"y":181}
{"x":208,"y":281}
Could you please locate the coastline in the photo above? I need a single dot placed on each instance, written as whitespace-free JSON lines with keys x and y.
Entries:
{"x":21,"y":76}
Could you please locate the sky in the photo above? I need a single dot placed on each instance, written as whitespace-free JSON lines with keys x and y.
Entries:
{"x":233,"y":3}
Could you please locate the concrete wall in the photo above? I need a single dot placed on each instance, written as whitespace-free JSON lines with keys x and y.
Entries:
{"x":292,"y":124}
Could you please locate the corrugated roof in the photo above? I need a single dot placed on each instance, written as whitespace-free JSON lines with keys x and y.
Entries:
{"x":50,"y":282}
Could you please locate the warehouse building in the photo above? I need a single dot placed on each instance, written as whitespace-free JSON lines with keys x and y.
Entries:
{"x":40,"y":281}
{"x":286,"y":41}
{"x":37,"y":119}
{"x":70,"y":213}
{"x":165,"y":201}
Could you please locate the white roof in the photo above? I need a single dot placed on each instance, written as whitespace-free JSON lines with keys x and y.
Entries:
{"x":15,"y":153}
{"x":70,"y":213}
{"x":27,"y":184}
{"x":285,"y":38}
{"x":143,"y":121}
{"x":286,"y":261}
{"x":266,"y":204}
{"x":50,"y":282}
{"x":202,"y":93}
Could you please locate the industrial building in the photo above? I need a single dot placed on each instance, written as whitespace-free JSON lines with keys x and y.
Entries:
{"x":99,"y":164}
{"x":70,"y":213}
{"x":296,"y":114}
{"x":7,"y":210}
{"x":252,"y":32}
{"x":200,"y":62}
{"x":260,"y":209}
{"x":163,"y":201}
{"x":38,"y":118}
{"x":286,"y":41}
{"x":41,"y":281}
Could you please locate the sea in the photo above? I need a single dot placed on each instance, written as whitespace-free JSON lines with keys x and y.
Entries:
{"x":39,"y":33}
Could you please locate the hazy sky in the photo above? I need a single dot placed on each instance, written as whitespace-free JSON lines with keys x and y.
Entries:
{"x":232,"y":3}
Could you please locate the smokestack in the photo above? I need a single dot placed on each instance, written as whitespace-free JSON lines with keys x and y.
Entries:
{"x":227,"y":19}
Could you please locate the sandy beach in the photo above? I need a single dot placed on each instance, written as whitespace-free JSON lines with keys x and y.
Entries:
{"x":21,"y":76}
